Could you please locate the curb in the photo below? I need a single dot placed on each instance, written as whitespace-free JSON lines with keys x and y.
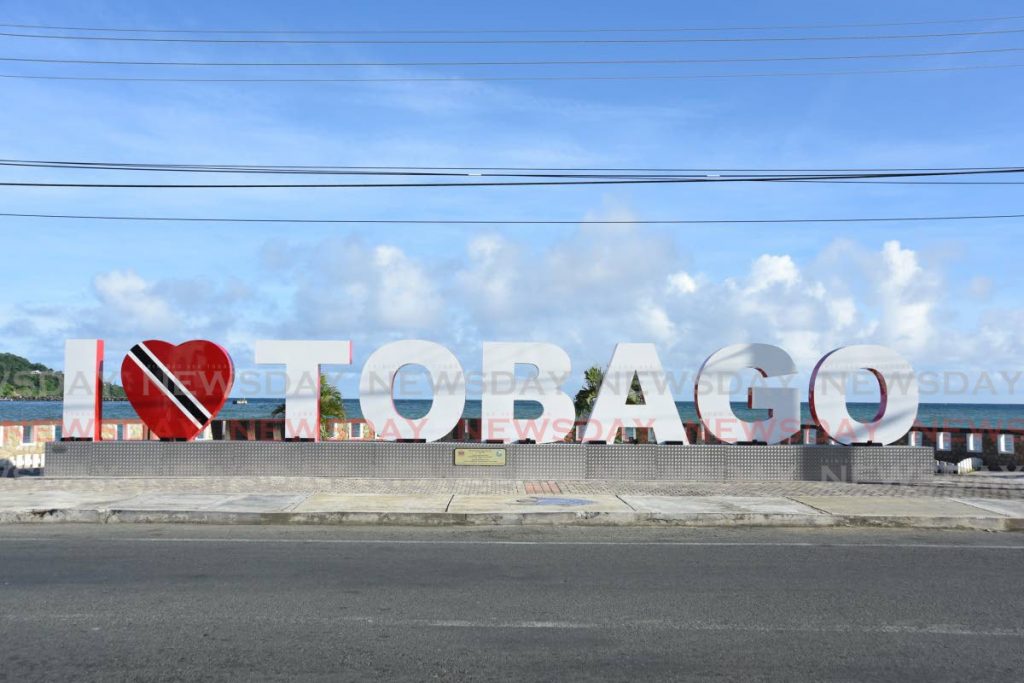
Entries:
{"x":431,"y":519}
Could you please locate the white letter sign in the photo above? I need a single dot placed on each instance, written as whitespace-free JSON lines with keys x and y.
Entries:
{"x":377,"y":385}
{"x":897,"y":386}
{"x":659,"y":410}
{"x":83,"y":389}
{"x":712,"y":394}
{"x":302,"y":361}
{"x":501,"y":390}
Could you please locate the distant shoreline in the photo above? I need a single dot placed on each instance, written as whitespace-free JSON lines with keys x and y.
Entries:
{"x":1005,"y":415}
{"x":50,"y":399}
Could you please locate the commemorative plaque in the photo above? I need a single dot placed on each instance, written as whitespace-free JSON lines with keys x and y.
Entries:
{"x":480,"y":456}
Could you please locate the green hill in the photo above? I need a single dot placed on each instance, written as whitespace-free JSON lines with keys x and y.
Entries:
{"x":20,"y":378}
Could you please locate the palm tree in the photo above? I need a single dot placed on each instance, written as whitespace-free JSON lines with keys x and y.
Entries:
{"x":331,"y":406}
{"x":586,"y":396}
{"x":592,"y":380}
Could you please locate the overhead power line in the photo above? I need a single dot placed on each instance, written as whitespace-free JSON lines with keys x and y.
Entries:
{"x":265,"y":168}
{"x":523,"y":183}
{"x":506,"y":41}
{"x":475,"y":79}
{"x":909,"y":182}
{"x":473,"y":173}
{"x":506,"y":31}
{"x":528,"y":62}
{"x":441,"y":221}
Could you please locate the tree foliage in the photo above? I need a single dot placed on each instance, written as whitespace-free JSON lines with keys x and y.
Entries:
{"x":20,"y":378}
{"x":331,"y":406}
{"x":592,"y":380}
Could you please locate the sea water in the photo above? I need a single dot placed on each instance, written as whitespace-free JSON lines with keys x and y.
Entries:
{"x":1007,"y":416}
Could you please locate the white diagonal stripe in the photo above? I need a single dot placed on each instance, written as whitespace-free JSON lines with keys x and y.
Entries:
{"x":167,"y":392}
{"x":174,"y":378}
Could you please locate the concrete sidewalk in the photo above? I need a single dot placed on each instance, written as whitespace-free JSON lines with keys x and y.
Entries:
{"x":227,"y":501}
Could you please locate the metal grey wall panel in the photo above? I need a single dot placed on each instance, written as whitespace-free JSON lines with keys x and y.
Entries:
{"x":691,"y":463}
{"x":389,"y":460}
{"x":620,"y":461}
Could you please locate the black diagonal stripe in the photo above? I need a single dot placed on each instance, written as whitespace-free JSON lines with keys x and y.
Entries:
{"x":168,"y":383}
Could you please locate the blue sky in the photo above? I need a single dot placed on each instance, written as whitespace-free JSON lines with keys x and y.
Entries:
{"x":946,"y":295}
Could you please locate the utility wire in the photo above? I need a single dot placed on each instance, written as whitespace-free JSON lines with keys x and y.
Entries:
{"x":509,"y":31}
{"x":518,"y":183}
{"x":467,"y":173}
{"x":238,"y":168}
{"x":530,"y":62}
{"x":475,"y":79}
{"x":516,"y":41}
{"x":908,"y":182}
{"x":438,"y":221}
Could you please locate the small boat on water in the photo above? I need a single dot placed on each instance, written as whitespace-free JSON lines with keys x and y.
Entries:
{"x":241,"y":401}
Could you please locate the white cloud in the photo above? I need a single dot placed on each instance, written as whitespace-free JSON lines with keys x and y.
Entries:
{"x":599,"y":286}
{"x":654,"y":320}
{"x":405,"y":296}
{"x":339,"y":287}
{"x":681,"y":283}
{"x":126,"y":308}
{"x":591,"y":288}
{"x":487,"y":273}
{"x":129,"y":302}
{"x":769,"y":270}
{"x":908,"y":296}
{"x":842,"y":311}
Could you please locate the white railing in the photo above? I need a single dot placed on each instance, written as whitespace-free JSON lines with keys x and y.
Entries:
{"x":21,"y":461}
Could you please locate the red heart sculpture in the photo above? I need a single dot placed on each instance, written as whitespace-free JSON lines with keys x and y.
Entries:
{"x":177,"y":390}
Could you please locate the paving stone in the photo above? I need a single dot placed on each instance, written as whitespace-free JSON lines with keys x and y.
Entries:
{"x":1010,"y":508}
{"x":57,"y":500}
{"x":536,"y":503}
{"x":266,"y":502}
{"x":349,"y":502}
{"x":948,"y":486}
{"x":176,"y":501}
{"x":717,"y":504}
{"x":898,"y":507}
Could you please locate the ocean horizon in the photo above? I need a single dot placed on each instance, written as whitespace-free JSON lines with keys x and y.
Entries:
{"x":947,"y":414}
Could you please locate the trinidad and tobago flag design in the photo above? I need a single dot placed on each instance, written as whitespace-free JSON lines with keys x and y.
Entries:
{"x":177,"y":390}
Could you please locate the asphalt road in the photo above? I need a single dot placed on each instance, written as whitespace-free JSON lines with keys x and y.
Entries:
{"x":256,"y":603}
